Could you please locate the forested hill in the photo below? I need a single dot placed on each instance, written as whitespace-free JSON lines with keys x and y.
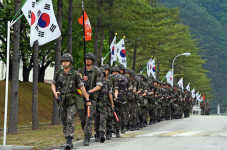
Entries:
{"x":208,"y":23}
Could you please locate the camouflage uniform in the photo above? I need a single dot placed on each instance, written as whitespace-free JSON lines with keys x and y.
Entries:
{"x":103,"y":103}
{"x":67,"y":84}
{"x":95,"y":78}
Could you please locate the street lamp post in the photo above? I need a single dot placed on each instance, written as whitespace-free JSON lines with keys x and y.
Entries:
{"x":185,"y":54}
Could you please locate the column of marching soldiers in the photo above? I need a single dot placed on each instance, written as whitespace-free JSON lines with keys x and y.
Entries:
{"x":121,"y":101}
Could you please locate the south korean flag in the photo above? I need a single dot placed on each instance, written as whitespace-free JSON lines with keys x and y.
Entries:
{"x":40,"y":16}
{"x":121,"y":52}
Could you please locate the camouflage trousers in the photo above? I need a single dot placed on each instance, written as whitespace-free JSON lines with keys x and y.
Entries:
{"x":109,"y":121}
{"x":86,"y":122}
{"x":152,"y":112}
{"x":67,"y":117}
{"x":133,"y":114}
{"x":125,"y":114}
{"x":100,"y":120}
{"x":117,"y":124}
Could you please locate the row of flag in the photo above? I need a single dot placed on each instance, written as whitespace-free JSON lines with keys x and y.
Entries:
{"x":169,"y":77}
{"x":118,"y":51}
{"x":44,"y":28}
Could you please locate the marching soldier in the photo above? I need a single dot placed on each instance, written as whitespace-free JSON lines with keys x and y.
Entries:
{"x":64,"y":86}
{"x":92,"y":78}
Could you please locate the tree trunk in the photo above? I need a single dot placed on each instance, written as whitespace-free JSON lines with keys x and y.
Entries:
{"x":101,"y":47}
{"x":35,"y":116}
{"x":55,"y":115}
{"x":25,"y":74}
{"x":15,"y":74}
{"x":96,"y":44}
{"x":134,"y":58}
{"x":70,"y":22}
{"x":41,"y":74}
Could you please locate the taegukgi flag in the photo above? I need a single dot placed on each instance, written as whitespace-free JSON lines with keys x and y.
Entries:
{"x":44,"y":26}
{"x":121,"y":52}
{"x":169,"y":77}
{"x":113,"y":50}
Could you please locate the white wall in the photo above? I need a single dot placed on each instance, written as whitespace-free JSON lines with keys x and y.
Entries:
{"x":49,"y":74}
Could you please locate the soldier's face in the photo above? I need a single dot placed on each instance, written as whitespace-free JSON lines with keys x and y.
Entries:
{"x":107,"y":72}
{"x":66,"y":64}
{"x":89,"y":62}
{"x":121,"y":71}
{"x":127,"y":74}
{"x":115,"y":72}
{"x":155,"y":83}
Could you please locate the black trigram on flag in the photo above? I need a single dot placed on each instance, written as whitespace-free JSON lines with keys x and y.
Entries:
{"x":53,"y":27}
{"x":37,"y":27}
{"x":39,"y":13}
{"x":30,"y":14}
{"x":47,"y":7}
{"x":33,"y":4}
{"x":41,"y":34}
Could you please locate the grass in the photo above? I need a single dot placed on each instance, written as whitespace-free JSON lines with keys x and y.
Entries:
{"x":45,"y":105}
{"x":47,"y":135}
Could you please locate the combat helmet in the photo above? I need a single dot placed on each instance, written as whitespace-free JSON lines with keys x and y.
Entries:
{"x":103,"y":70}
{"x":132,"y":73}
{"x":91,"y":56}
{"x":127,"y":71}
{"x":115,"y":69}
{"x":121,"y":67}
{"x":67,"y":57}
{"x":106,"y":66}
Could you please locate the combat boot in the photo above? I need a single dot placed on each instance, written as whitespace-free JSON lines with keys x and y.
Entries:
{"x":145,"y":124}
{"x":123,"y":129}
{"x":97,"y":137}
{"x":108,"y":135}
{"x":86,"y":140}
{"x":150,"y":123}
{"x":102,"y":138}
{"x":132,"y":128}
{"x":118,"y":134}
{"x":69,"y":144}
{"x":141,"y":124}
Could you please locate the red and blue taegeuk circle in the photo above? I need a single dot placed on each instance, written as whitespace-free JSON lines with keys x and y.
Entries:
{"x":44,"y":20}
{"x":123,"y":53}
{"x":113,"y":50}
{"x":153,"y":69}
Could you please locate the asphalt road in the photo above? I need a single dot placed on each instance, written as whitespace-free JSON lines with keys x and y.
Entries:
{"x":194,"y":133}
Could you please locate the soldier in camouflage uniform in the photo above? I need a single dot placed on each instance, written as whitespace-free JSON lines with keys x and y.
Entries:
{"x":132,"y":101}
{"x":125,"y":106}
{"x":168,"y":101}
{"x":109,"y":105}
{"x":64,"y":86}
{"x":187,"y":103}
{"x":129,"y":105}
{"x":119,"y":98}
{"x":92,"y":78}
{"x":104,"y":101}
{"x":175,"y":106}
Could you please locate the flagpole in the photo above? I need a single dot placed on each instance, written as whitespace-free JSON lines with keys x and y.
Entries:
{"x":143,"y":69}
{"x":7,"y":82}
{"x":84,"y":40}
